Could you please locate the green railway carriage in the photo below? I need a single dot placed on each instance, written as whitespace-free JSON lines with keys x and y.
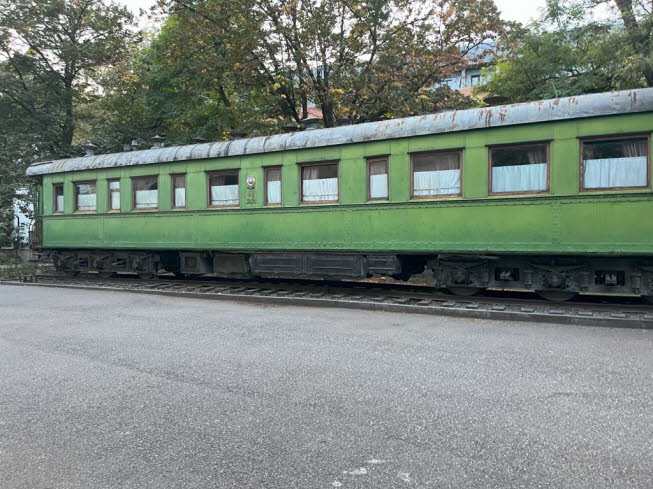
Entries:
{"x":553,"y":196}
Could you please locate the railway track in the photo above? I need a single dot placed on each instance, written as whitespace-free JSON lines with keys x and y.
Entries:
{"x":593,"y":311}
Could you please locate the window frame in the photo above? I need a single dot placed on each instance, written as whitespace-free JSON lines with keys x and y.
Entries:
{"x":474,"y":77}
{"x":265,"y":185}
{"x":491,"y":148}
{"x":459,"y":151}
{"x":134,"y":193}
{"x":173,"y":201}
{"x":301,"y":182}
{"x":54,"y":198}
{"x":76,"y":209}
{"x":376,"y":159}
{"x":593,"y":139}
{"x":211,"y":173}
{"x":109,"y":182}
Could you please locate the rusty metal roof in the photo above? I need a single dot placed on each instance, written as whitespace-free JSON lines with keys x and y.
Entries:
{"x":594,"y":105}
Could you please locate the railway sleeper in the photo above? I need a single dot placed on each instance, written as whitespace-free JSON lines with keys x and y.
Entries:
{"x":555,"y":278}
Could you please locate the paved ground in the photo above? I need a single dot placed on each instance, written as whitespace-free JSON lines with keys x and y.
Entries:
{"x":117,"y":390}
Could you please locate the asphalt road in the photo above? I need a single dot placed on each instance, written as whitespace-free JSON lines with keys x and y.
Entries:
{"x":118,"y":390}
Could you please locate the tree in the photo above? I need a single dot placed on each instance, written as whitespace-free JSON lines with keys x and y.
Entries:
{"x":60,"y":45}
{"x":362,"y":59}
{"x":576,"y":47}
{"x":51,"y":55}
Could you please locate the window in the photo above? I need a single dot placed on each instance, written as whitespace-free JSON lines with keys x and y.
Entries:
{"x":475,"y":80}
{"x":435,"y":174}
{"x":57,"y":190}
{"x":85,"y":196}
{"x":377,"y":178}
{"x":615,"y":163}
{"x":319,"y":182}
{"x":146,"y":193}
{"x":114,"y":195}
{"x":223,"y":189}
{"x":519,"y":169}
{"x":178,"y":191}
{"x":273,"y":186}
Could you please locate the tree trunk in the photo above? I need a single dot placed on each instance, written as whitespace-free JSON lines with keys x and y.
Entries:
{"x":68,"y":131}
{"x":635,"y":36}
{"x":327,"y":114}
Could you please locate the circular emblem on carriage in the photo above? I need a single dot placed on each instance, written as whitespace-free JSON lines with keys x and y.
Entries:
{"x":251,"y":181}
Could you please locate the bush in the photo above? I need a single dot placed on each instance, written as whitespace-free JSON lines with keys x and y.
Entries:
{"x":15,"y":268}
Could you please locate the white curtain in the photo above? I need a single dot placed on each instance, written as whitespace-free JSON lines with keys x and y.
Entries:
{"x":519,"y":178}
{"x":86,"y":202}
{"x":59,"y":203}
{"x":322,"y":189}
{"x":379,"y":186}
{"x":274,"y":192}
{"x":378,"y":171}
{"x":224,"y":195}
{"x":114,"y":195}
{"x":180,"y":197}
{"x":437,"y":182}
{"x":616,"y":172}
{"x":147,"y":199}
{"x":115,"y":200}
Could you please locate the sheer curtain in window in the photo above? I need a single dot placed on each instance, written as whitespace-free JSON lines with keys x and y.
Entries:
{"x":224,"y":190}
{"x":180,"y":197}
{"x":146,"y":199}
{"x":628,"y":170}
{"x":527,"y":177}
{"x":378,"y":179}
{"x":86,"y":197}
{"x":436,"y":174}
{"x":273,"y":185}
{"x":319,"y":183}
{"x":146,"y":193}
{"x":114,"y":192}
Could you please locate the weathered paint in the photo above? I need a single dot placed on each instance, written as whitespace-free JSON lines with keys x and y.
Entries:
{"x":562,"y":221}
{"x":568,"y":108}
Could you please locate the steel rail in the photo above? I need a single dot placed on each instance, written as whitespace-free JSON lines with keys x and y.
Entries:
{"x":365,"y":296}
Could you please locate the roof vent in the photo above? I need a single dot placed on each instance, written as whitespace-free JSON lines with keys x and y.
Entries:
{"x":494,"y":100}
{"x":310,"y":123}
{"x":199,"y":140}
{"x":290,"y":128}
{"x":90,"y":149}
{"x":238,"y":134}
{"x":157,"y":142}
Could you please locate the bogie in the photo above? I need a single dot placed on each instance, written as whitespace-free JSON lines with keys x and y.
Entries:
{"x":554,"y":278}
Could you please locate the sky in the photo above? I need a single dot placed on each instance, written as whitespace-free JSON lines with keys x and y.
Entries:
{"x":519,"y":10}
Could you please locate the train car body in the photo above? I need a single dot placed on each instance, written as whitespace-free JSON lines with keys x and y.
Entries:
{"x":553,"y":196}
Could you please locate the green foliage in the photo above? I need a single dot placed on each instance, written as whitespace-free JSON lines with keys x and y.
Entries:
{"x":52,"y":53}
{"x":15,"y":268}
{"x":573,"y":50}
{"x":270,"y":59}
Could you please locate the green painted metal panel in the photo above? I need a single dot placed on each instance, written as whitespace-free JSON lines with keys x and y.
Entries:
{"x":549,"y":225}
{"x":561,"y":221}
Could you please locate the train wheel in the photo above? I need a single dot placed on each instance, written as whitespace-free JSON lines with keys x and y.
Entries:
{"x":146,"y":275}
{"x":556,"y":295}
{"x":464,"y":291}
{"x":106,"y":274}
{"x":71,"y":273}
{"x":647,"y":299}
